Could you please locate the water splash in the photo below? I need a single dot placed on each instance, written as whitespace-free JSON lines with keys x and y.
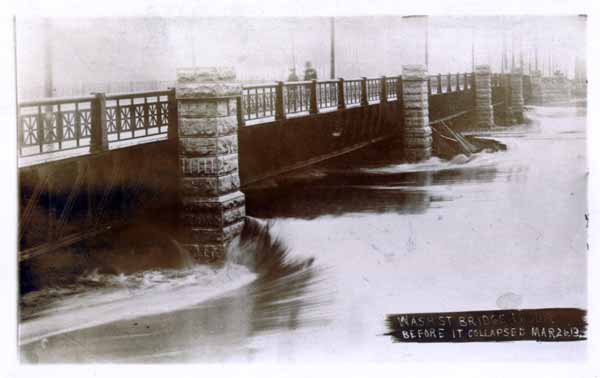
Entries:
{"x":99,"y":297}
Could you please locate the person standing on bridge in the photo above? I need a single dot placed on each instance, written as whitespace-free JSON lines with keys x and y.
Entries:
{"x":309,"y":72}
{"x":293,"y":76}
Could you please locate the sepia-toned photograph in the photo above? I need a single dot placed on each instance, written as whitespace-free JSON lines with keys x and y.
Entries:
{"x":377,"y":188}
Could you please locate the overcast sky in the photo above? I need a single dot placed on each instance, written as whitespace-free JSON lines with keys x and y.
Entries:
{"x":140,"y":49}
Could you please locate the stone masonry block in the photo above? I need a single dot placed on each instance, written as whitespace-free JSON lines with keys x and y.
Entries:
{"x":204,"y":74}
{"x":415,"y":87}
{"x":417,"y":154}
{"x":204,"y":90}
{"x":414,"y":72}
{"x":416,"y":122}
{"x":417,"y":112}
{"x":206,"y":108}
{"x":208,"y":146}
{"x":206,"y":253}
{"x":207,"y":127}
{"x":213,"y":234}
{"x":415,"y":98}
{"x":226,"y":201}
{"x":210,"y":186}
{"x":211,"y":217}
{"x":419,"y":132}
{"x":410,"y":142}
{"x":209,"y":166}
{"x":483,"y":69}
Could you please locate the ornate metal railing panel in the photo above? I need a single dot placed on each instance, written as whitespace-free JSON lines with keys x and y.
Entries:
{"x":327,"y":94}
{"x":258,"y":101}
{"x":54,"y":125}
{"x":434,"y":84}
{"x":373,"y":89}
{"x":49,"y":126}
{"x":352,"y":91}
{"x":391,"y":84}
{"x":134,"y":115}
{"x":296,"y":97}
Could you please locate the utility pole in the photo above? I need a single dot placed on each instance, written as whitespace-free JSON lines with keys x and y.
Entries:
{"x":503,"y":51}
{"x":48,"y":82}
{"x":536,"y":57}
{"x":512,"y":50}
{"x":332,"y":63}
{"x":427,"y":43}
{"x":472,"y":49}
{"x":521,"y":53}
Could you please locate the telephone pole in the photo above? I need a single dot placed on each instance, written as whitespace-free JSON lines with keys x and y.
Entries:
{"x":48,"y":82}
{"x":332,"y":63}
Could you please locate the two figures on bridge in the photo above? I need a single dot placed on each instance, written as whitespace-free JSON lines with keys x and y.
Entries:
{"x":309,"y":73}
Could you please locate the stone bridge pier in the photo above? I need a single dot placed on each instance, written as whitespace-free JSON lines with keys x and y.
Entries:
{"x":212,"y":206}
{"x":417,"y":132}
{"x":483,"y":97}
{"x":516,"y":95}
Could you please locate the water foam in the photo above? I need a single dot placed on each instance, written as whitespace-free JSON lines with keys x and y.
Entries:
{"x":120,"y":297}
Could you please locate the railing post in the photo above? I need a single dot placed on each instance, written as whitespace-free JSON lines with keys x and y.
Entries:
{"x":364,"y":95}
{"x":449,"y":84}
{"x":40,"y":129}
{"x":212,"y":208}
{"x":439,"y":89}
{"x":240,"y":111}
{"x":341,"y":94}
{"x":98,"y":135}
{"x":466,"y":78}
{"x":400,"y":94}
{"x":313,"y":108}
{"x":172,"y":115}
{"x":457,"y":82}
{"x":279,"y":108}
{"x":383,"y":93}
{"x":429,"y":85}
{"x":59,"y":127}
{"x":417,"y":132}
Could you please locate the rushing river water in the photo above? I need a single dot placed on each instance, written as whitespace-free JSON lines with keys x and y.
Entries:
{"x":341,"y":245}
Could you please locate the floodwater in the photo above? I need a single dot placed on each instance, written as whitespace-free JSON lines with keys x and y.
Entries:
{"x":331,"y":250}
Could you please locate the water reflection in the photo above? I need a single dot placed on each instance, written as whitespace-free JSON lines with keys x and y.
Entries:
{"x":364,"y":182}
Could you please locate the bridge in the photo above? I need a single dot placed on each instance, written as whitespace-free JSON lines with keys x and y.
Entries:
{"x":183,"y":156}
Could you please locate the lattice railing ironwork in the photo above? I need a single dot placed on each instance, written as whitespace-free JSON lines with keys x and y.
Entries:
{"x":373,"y":89}
{"x":296,"y":97}
{"x":258,"y":101}
{"x":391,"y":84}
{"x":54,"y":125}
{"x":353,"y":91}
{"x":135,"y":115}
{"x":327,"y":94}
